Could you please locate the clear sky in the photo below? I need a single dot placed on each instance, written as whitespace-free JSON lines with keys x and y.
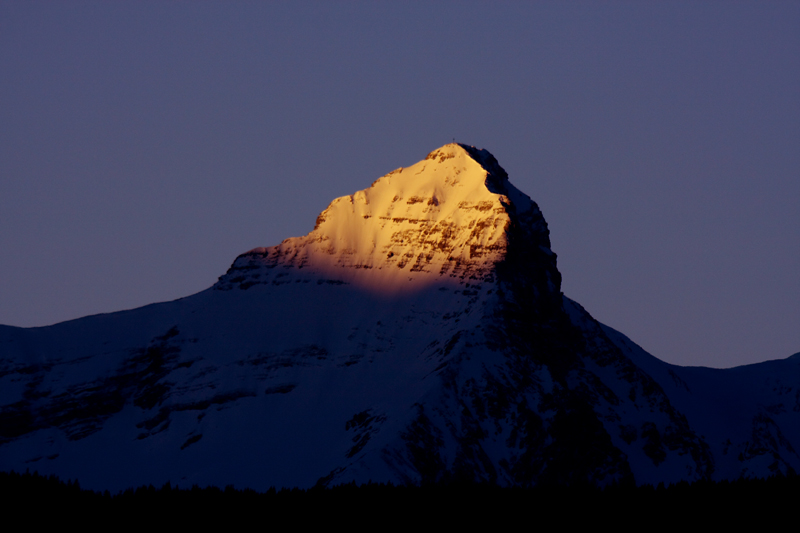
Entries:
{"x":144,"y":145}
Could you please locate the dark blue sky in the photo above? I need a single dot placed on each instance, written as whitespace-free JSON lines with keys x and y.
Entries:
{"x":143,"y":145}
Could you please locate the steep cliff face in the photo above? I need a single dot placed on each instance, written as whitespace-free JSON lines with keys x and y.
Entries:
{"x":418,"y":334}
{"x":453,"y":216}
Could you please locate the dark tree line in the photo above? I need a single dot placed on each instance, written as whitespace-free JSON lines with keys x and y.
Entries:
{"x":729,"y":502}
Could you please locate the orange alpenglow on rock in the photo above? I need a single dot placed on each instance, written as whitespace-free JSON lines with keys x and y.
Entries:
{"x":450,"y":216}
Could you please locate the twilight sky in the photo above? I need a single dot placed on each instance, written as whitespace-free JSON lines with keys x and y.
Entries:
{"x":144,"y":145}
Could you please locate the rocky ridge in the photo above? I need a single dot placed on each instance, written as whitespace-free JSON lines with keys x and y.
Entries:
{"x":451,"y":215}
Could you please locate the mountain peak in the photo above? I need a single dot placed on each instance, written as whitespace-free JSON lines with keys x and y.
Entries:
{"x":315,"y":377}
{"x":452,"y":215}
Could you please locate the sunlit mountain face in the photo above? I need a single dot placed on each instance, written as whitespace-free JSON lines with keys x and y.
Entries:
{"x":451,"y":217}
{"x":417,"y":335}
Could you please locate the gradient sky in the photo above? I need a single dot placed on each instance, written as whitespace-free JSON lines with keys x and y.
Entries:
{"x":144,"y":145}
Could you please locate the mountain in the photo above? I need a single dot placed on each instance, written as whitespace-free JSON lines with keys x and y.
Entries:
{"x":418,"y":334}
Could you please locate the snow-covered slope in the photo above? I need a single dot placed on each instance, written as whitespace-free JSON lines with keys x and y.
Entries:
{"x":417,"y":334}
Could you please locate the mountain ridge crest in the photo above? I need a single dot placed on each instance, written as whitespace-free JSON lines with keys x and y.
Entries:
{"x":447,"y":216}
